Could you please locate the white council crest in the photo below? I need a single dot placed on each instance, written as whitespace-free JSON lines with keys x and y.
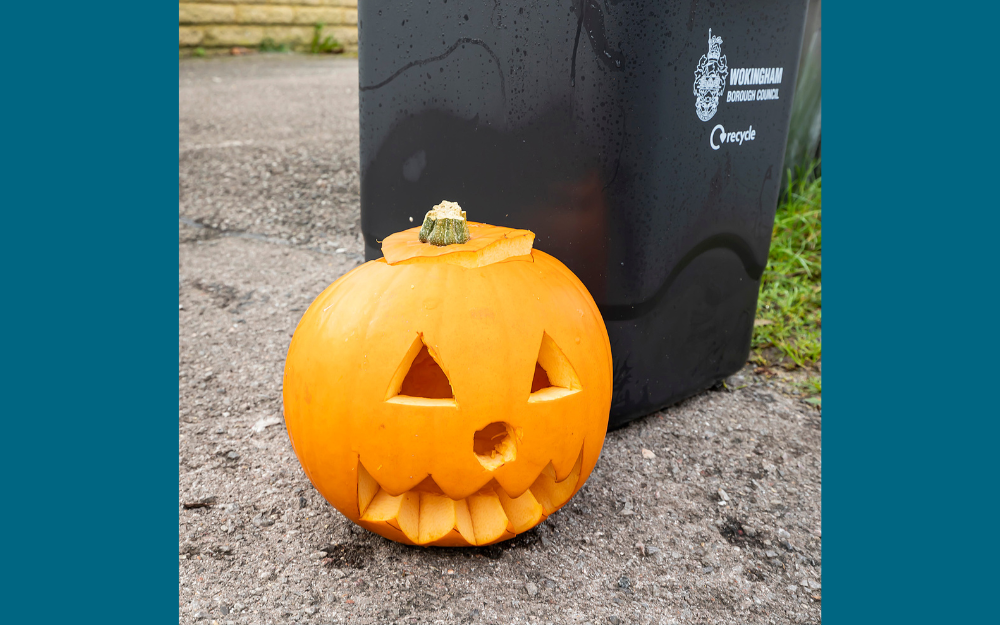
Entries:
{"x":710,"y":79}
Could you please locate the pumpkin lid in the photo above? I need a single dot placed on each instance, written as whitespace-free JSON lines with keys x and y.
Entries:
{"x":446,"y":237}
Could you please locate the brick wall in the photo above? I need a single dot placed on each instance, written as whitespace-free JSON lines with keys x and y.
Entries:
{"x":216,"y":25}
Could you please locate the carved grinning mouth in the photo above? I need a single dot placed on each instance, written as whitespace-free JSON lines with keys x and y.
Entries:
{"x":426,"y":516}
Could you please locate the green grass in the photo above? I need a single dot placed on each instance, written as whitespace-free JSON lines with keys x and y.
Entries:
{"x":788,"y":326}
{"x":269,"y":45}
{"x":811,"y":389}
{"x":323,"y":46}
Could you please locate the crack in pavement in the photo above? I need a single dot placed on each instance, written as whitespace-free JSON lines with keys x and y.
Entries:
{"x":241,"y":234}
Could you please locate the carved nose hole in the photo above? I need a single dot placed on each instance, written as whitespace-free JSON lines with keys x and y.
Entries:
{"x":494,"y":445}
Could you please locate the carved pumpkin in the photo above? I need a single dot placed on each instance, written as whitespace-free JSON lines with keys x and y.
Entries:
{"x":450,"y":394}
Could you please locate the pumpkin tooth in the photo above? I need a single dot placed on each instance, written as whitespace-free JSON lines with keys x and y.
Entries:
{"x":463,"y":521}
{"x":513,"y":487}
{"x":409,"y":516}
{"x":552,"y":494}
{"x":523,"y":512}
{"x":437,"y":517}
{"x":489,"y":522}
{"x":384,"y":507}
{"x":367,"y":488}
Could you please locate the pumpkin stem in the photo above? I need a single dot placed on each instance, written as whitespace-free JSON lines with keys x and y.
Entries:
{"x":444,"y":225}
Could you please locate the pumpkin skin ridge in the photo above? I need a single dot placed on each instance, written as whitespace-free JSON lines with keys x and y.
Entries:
{"x":326,"y":478}
{"x":572,"y":277}
{"x":547,"y":260}
{"x":518,"y":477}
{"x":329,"y":433}
{"x":358,"y":411}
{"x":478,"y":477}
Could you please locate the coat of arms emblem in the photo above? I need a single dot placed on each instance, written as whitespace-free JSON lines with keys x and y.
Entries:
{"x":710,"y":79}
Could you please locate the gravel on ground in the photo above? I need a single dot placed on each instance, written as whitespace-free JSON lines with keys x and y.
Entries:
{"x":707,"y":512}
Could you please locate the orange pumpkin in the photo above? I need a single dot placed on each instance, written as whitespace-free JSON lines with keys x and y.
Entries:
{"x":450,"y":394}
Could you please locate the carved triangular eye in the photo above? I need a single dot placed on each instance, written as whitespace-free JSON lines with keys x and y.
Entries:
{"x":420,"y":380}
{"x":554,"y":375}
